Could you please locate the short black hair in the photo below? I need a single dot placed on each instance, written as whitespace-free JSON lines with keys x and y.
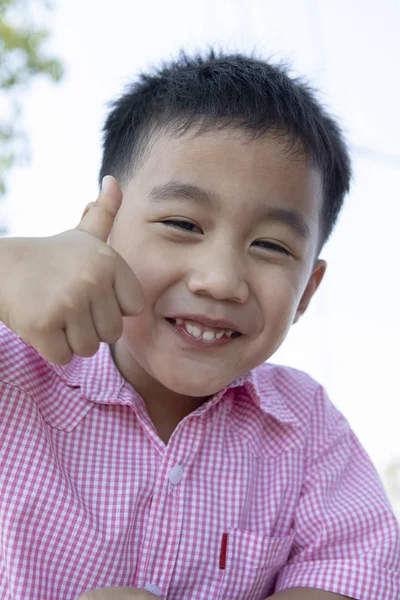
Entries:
{"x":218,"y":90}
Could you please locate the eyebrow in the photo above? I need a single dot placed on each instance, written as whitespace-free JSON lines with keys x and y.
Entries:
{"x":192,"y":193}
{"x":289,"y":217}
{"x":177,"y":190}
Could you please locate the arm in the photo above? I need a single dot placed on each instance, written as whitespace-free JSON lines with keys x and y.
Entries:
{"x":306,"y":594}
{"x":347,"y":538}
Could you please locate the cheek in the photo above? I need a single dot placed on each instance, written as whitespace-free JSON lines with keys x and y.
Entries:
{"x":279,"y":297}
{"x":147,"y":263}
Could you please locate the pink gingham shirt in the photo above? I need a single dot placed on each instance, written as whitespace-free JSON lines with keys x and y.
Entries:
{"x":262,"y":488}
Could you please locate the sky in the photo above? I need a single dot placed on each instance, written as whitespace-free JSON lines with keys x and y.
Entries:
{"x":349,"y":51}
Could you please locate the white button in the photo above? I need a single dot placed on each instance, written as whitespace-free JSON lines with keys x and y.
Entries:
{"x":175,"y":474}
{"x":153,"y":589}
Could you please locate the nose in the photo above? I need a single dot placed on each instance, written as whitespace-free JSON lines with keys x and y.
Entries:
{"x":219,"y":275}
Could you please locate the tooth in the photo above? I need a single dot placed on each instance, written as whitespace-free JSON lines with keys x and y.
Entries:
{"x":208,"y":336}
{"x":193,"y":330}
{"x":219,"y":335}
{"x":229,"y":333}
{"x":179,"y":321}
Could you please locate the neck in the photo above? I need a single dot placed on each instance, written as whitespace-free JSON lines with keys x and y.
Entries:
{"x":165,"y":407}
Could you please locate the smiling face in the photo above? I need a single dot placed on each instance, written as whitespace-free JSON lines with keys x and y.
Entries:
{"x":222,"y":233}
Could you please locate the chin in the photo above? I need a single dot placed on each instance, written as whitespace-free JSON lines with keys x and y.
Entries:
{"x":194,"y":387}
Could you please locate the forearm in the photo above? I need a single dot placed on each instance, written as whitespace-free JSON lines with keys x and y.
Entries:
{"x":7,"y":249}
{"x":305,"y":594}
{"x":10,"y":250}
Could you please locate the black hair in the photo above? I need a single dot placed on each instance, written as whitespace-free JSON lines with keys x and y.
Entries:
{"x":214,"y":91}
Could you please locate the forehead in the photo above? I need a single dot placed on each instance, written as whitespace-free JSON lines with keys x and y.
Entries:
{"x":234,"y":168}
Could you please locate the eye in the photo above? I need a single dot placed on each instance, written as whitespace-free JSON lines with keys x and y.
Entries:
{"x":272,"y":246}
{"x":179,"y":224}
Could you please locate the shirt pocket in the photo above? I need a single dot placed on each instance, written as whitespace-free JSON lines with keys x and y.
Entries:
{"x":249,"y":564}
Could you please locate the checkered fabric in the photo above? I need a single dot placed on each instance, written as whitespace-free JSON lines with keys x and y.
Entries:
{"x":262,"y":488}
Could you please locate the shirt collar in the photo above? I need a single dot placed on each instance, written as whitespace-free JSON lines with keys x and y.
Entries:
{"x":96,"y":376}
{"x":262,"y":390}
{"x":100,"y":381}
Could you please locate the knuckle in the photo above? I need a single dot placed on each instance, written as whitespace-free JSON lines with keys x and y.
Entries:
{"x":107,"y":253}
{"x":91,"y":279}
{"x":108,"y":260}
{"x":96,"y":272}
{"x":97,"y":276}
{"x":73,"y":303}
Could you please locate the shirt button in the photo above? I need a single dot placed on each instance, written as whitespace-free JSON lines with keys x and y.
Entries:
{"x":153,"y":589}
{"x":175,"y":474}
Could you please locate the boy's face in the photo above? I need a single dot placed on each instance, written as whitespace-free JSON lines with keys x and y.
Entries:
{"x":216,"y":228}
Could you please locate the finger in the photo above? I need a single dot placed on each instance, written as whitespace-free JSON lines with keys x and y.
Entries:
{"x":81,"y":333}
{"x":128,"y":291}
{"x":54,"y":347}
{"x":107,"y":318}
{"x":87,"y":209}
{"x":98,"y":217}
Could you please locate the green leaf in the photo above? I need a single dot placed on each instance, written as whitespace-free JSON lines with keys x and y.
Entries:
{"x":22,"y":59}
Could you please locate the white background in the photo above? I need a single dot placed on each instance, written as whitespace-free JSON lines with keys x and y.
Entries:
{"x":350,"y":51}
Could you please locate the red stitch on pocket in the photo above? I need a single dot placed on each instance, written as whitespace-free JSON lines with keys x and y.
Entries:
{"x":222,"y":555}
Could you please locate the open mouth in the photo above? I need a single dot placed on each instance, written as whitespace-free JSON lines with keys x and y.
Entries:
{"x":203,"y":333}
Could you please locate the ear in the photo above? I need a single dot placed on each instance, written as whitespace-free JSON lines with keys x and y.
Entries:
{"x":315,"y":279}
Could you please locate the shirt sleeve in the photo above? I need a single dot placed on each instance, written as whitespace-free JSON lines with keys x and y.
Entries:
{"x":347,"y":539}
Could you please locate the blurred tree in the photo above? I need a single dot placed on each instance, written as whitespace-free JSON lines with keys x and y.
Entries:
{"x":22,"y":57}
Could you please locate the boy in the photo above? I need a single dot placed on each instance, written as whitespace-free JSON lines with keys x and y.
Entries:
{"x":146,"y":449}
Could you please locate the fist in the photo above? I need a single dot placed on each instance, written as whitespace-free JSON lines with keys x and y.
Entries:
{"x":67,"y":293}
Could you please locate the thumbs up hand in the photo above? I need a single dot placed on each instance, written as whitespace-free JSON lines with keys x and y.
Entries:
{"x":66,"y":293}
{"x":98,"y":217}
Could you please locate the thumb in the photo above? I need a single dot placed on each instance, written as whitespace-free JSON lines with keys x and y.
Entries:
{"x":98,"y":217}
